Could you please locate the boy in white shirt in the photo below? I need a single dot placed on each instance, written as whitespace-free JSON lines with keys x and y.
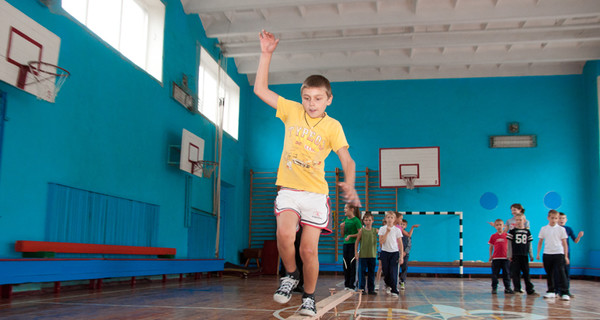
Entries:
{"x":392,"y":252}
{"x":555,"y":256}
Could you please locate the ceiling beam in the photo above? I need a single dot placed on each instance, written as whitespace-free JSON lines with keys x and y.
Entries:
{"x":339,"y":61}
{"x":400,"y":16}
{"x":404,"y":73}
{"x":422,"y":40}
{"x":214,"y":6}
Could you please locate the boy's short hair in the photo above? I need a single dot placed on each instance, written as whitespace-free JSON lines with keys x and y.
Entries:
{"x":562,"y":214}
{"x":398,"y":215}
{"x":552,"y":212}
{"x":404,"y":220}
{"x":520,"y":215}
{"x":390,"y":213}
{"x":499,"y":220}
{"x":317,"y":81}
{"x":367,"y":215}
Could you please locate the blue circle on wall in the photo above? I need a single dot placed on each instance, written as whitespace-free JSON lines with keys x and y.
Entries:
{"x":489,"y":201}
{"x":552,"y":200}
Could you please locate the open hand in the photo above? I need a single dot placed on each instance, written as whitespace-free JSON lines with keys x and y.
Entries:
{"x":268,"y":42}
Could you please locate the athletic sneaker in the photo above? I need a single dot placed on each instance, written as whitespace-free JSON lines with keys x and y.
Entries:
{"x":308,"y":307}
{"x":550,"y":295}
{"x":520,"y":291}
{"x":286,"y":285}
{"x":509,"y":291}
{"x":394,"y":293}
{"x":388,"y":290}
{"x":494,"y":291}
{"x":402,"y":286}
{"x":377,"y":287}
{"x":533,"y":293}
{"x":372,"y":293}
{"x":565,"y":297}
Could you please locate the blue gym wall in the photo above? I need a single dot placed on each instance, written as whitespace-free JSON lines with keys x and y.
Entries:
{"x":109,"y":133}
{"x":459,"y":115}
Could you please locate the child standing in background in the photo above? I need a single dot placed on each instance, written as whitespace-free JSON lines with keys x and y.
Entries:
{"x":392,"y":253}
{"x":367,"y":241}
{"x":407,"y":245}
{"x":555,"y":257}
{"x":516,"y":208}
{"x":498,"y":257}
{"x":519,"y":250}
{"x":349,"y":229}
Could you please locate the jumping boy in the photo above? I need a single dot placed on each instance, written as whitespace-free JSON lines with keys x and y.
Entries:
{"x":519,"y":250}
{"x":498,"y":257}
{"x":556,"y":254}
{"x":310,"y":135}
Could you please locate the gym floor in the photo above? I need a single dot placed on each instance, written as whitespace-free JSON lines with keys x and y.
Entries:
{"x":231,"y":297}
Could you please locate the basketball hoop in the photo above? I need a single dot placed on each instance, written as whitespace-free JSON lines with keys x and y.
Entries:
{"x":409,"y":180}
{"x":207,"y":167}
{"x":48,"y":77}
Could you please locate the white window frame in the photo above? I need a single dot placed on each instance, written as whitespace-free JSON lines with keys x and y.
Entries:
{"x":152,"y":34}
{"x":209,"y":73}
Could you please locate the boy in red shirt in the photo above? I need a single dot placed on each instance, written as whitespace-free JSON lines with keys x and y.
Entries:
{"x":499,"y":258}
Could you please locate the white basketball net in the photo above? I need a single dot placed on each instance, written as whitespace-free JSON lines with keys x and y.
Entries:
{"x":409,"y":180}
{"x":48,"y":79}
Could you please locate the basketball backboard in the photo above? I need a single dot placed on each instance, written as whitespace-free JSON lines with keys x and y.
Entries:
{"x":422,"y":163}
{"x":22,"y":39}
{"x":192,"y":150}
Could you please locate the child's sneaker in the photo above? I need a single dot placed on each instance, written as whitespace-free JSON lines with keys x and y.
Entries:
{"x":565,"y":297}
{"x":402,"y":286}
{"x":494,"y":291}
{"x":394,"y":293}
{"x":377,"y":287}
{"x":308,"y":307}
{"x":550,"y":295}
{"x":509,"y":291}
{"x":286,"y":285}
{"x":520,"y":291}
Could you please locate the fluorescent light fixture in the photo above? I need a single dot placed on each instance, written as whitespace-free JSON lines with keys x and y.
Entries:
{"x":520,"y":141}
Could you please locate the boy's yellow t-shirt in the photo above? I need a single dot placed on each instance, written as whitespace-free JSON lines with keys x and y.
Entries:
{"x":302,"y":164}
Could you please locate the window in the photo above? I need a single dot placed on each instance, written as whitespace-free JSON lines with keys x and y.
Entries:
{"x":209,"y":75}
{"x":133,"y":27}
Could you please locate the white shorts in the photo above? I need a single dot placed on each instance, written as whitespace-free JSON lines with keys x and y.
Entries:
{"x":312,"y":208}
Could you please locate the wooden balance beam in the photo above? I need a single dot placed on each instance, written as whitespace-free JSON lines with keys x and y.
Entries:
{"x":329,"y":303}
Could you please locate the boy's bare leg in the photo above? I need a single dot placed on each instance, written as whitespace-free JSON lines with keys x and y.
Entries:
{"x":309,"y":251}
{"x":287,"y":222}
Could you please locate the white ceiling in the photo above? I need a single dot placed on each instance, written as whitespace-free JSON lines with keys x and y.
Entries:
{"x":359,"y":40}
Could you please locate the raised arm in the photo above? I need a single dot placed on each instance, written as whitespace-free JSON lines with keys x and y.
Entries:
{"x":268,"y":43}
{"x":349,"y":168}
{"x":412,"y":229}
